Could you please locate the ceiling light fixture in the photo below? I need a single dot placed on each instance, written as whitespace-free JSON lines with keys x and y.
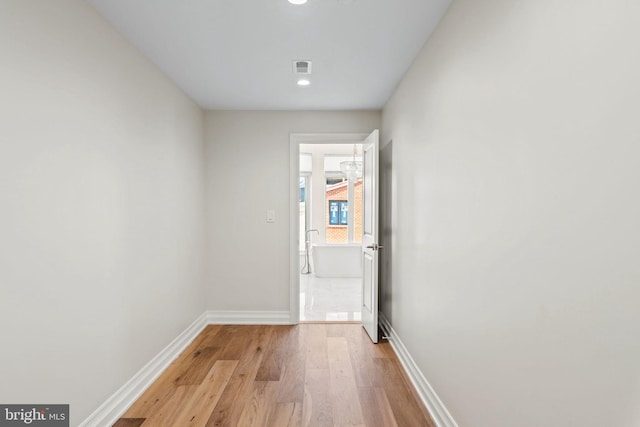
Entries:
{"x":303,"y":82}
{"x":352,"y":168}
{"x":297,"y":1}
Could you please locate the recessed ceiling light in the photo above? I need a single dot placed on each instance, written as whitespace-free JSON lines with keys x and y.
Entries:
{"x":297,"y":1}
{"x":303,"y":82}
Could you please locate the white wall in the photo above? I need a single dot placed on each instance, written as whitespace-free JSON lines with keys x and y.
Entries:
{"x":248,"y":173}
{"x":101,"y":207}
{"x":516,"y":252}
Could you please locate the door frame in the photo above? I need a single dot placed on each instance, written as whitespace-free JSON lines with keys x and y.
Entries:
{"x":295,"y":139}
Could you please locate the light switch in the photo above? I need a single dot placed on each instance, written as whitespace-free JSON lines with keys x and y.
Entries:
{"x":271,"y":215}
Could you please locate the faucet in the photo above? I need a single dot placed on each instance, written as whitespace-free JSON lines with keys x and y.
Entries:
{"x":307,"y":234}
{"x":307,"y":244}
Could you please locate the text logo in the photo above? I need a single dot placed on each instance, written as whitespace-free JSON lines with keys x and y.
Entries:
{"x":34,"y":415}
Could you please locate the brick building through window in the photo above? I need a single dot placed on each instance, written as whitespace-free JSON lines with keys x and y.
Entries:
{"x":338,"y":233}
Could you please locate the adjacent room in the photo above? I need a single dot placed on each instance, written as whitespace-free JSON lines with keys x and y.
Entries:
{"x":330,"y":231}
{"x":248,"y":195}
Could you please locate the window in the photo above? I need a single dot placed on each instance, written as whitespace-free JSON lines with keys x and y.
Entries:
{"x":339,"y":228}
{"x":338,"y":212}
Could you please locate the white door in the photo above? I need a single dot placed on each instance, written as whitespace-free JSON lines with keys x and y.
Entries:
{"x":370,"y":245}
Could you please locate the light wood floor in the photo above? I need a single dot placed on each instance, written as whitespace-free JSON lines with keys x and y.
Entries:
{"x":303,"y":375}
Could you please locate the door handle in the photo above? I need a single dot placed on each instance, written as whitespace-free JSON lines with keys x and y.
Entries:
{"x":375,"y":246}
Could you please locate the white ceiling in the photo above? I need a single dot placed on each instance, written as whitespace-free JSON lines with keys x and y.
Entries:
{"x":237,"y":54}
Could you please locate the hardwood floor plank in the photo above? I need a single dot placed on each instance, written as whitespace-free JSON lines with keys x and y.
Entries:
{"x":387,"y":351}
{"x":370,"y":411}
{"x":361,"y":358}
{"x":388,"y":418}
{"x":291,"y":387}
{"x":402,"y":400}
{"x":317,"y":405}
{"x":129,"y":422}
{"x":344,"y":394}
{"x":274,"y":355}
{"x":207,"y":335}
{"x":336,"y":329}
{"x":249,"y":348}
{"x":408,"y":387}
{"x":197,"y":366}
{"x":165,"y":415}
{"x":257,"y":410}
{"x":202,"y":403}
{"x":286,"y":415}
{"x":312,"y":375}
{"x":317,"y":347}
{"x":165,"y":386}
{"x":239,"y":338}
{"x":151,"y":399}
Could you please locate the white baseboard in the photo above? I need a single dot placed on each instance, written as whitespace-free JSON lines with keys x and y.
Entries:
{"x":109,"y":412}
{"x":226,"y":317}
{"x":434,"y":405}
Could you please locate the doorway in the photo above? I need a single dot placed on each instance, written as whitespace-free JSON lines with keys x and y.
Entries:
{"x":330,"y":232}
{"x":326,"y":228}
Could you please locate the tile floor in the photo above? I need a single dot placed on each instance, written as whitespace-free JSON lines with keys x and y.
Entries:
{"x":329,"y":299}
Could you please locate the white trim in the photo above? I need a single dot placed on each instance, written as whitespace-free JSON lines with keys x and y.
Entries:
{"x":434,"y":405}
{"x":116,"y":405}
{"x":328,"y":138}
{"x":295,"y":139}
{"x":294,"y":229}
{"x":227,"y":317}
